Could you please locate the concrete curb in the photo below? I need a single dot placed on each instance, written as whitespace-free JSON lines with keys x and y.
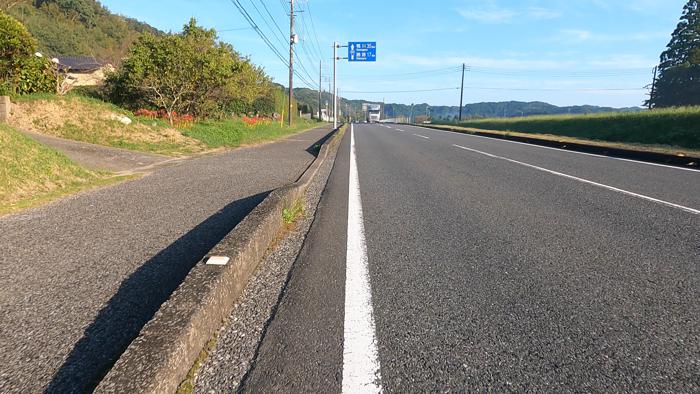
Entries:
{"x":654,"y":157}
{"x":160,"y":357}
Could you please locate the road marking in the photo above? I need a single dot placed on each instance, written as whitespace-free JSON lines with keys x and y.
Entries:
{"x":422,"y":136}
{"x":360,"y":356}
{"x":629,"y":193}
{"x":400,"y":129}
{"x":564,"y":150}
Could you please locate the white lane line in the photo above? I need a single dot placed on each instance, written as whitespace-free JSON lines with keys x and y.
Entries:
{"x":400,"y":129}
{"x":360,"y":356}
{"x":422,"y":136}
{"x":615,"y":189}
{"x":565,"y":150}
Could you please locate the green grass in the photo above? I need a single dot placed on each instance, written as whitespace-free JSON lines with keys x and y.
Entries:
{"x":187,"y":385}
{"x":32,"y":174}
{"x":675,"y":127}
{"x":86,"y":119}
{"x":291,"y":214}
{"x":235,"y":133}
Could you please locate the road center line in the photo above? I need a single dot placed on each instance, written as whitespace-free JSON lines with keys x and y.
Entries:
{"x":629,"y":193}
{"x":422,"y":136}
{"x":360,"y":356}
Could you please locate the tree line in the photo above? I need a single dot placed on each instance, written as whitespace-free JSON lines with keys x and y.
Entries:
{"x":190,"y":72}
{"x":678,"y":82}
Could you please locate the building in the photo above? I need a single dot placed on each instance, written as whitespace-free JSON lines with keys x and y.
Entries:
{"x":83,"y":70}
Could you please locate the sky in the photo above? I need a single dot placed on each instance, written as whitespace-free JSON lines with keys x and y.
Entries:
{"x":573,"y":52}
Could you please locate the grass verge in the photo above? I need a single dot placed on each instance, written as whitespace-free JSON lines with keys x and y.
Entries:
{"x":187,"y":385}
{"x":90,"y":120}
{"x":235,"y":133}
{"x":32,"y":174}
{"x":291,"y":214}
{"x":86,"y":119}
{"x":672,"y":129}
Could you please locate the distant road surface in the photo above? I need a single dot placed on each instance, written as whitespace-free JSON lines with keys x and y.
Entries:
{"x":447,"y":262}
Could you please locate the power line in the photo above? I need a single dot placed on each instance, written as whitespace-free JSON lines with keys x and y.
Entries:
{"x":313,"y":26}
{"x":282,"y":35}
{"x":265,"y":39}
{"x":557,"y":89}
{"x":234,"y":29}
{"x":405,"y":78}
{"x":272,"y":18}
{"x":402,"y":91}
{"x":504,"y":89}
{"x":282,"y":38}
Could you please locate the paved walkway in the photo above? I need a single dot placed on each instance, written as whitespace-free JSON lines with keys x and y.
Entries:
{"x":97,"y":157}
{"x":80,"y":277}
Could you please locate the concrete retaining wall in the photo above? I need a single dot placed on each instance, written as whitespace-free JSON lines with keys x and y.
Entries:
{"x":159,"y":359}
{"x":5,"y":106}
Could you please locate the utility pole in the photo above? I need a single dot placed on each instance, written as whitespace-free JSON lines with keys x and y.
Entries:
{"x":292,"y":40}
{"x":461,"y":95}
{"x":320,"y":88}
{"x":653,"y":87}
{"x":383,"y":116}
{"x":410,"y":118}
{"x":335,"y":86}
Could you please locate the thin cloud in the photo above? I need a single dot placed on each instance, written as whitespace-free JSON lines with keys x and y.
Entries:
{"x":488,"y":16}
{"x":493,"y":14}
{"x":582,"y":35}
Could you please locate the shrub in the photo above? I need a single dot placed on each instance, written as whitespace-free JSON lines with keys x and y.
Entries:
{"x":21,"y":71}
{"x":190,"y":72}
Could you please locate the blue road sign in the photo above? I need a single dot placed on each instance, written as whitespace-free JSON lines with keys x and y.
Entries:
{"x":362,"y":51}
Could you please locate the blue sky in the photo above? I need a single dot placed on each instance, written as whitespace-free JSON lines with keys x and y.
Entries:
{"x":563,"y":52}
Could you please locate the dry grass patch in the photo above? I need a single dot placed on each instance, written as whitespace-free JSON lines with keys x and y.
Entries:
{"x":89,"y":120}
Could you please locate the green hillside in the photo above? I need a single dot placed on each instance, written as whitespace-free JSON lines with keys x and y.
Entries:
{"x":77,"y":27}
{"x":509,"y":109}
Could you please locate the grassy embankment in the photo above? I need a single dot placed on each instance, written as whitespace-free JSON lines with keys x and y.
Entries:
{"x":32,"y":174}
{"x":89,"y":120}
{"x":675,"y":130}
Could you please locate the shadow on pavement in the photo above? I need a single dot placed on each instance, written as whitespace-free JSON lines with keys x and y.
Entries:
{"x":315,"y":148}
{"x":139,"y":298}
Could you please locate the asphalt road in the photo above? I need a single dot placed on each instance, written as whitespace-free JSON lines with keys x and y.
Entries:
{"x":80,"y":277}
{"x":491,"y":266}
{"x":104,"y":158}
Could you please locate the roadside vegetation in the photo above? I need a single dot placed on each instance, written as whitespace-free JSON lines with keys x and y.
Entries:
{"x":174,"y":94}
{"x":237,"y":132}
{"x":31,"y":173}
{"x":90,"y":120}
{"x":672,"y":127}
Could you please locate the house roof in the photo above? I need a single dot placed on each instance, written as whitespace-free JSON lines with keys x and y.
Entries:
{"x":79,"y":63}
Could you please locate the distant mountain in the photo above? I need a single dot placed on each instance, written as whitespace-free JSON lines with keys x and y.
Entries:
{"x":77,"y":27}
{"x":497,"y":109}
{"x":478,"y":110}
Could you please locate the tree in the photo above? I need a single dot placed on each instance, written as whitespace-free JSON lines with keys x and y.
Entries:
{"x":190,"y":72}
{"x":679,"y":71}
{"x":22,"y":71}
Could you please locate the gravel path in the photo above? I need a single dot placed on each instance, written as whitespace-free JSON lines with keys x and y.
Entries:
{"x":238,"y":341}
{"x":81,"y":276}
{"x":97,"y":157}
